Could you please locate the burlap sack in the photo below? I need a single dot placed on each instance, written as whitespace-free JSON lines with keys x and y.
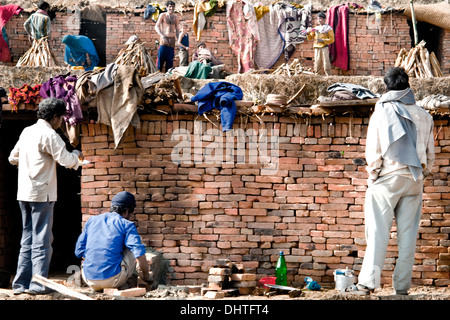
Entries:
{"x":436,"y":14}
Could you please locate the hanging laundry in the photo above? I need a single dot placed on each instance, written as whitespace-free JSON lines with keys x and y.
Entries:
{"x":63,"y":87}
{"x":220,"y":96}
{"x":6,"y":13}
{"x":202,"y":10}
{"x":337,"y":18}
{"x":293,"y":29}
{"x":243,"y":33}
{"x":153,"y":10}
{"x":280,"y":30}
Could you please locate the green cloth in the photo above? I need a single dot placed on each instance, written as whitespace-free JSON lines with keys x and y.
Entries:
{"x":198,"y":70}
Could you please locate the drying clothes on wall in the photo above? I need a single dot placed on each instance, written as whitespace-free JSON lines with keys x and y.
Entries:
{"x":202,"y":10}
{"x":63,"y":87}
{"x":270,"y":45}
{"x":29,"y":95}
{"x":77,"y":47}
{"x":6,"y":13}
{"x":358,"y":91}
{"x":293,"y":28}
{"x":117,"y":104}
{"x":281,"y":29}
{"x":337,"y":18}
{"x":153,"y":10}
{"x":220,"y":96}
{"x":243,"y":33}
{"x":261,"y":10}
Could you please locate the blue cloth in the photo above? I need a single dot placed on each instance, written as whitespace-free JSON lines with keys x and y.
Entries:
{"x":76,"y":49}
{"x":221,"y":96}
{"x":102,"y":242}
{"x":36,"y":245}
{"x":399,"y":134}
{"x":165,"y":57}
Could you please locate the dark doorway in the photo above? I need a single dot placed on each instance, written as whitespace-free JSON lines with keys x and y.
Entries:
{"x":429,"y":33}
{"x":96,"y":31}
{"x":67,"y":213}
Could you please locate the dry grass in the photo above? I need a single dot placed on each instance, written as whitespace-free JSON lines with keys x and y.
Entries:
{"x":257,"y":87}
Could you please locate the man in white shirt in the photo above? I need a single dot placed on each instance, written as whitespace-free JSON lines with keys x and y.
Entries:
{"x":399,"y":154}
{"x":36,"y":154}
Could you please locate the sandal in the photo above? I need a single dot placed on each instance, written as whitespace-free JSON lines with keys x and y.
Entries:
{"x":357,"y":289}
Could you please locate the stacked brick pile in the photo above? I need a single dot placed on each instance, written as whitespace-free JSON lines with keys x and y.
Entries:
{"x":228,"y":279}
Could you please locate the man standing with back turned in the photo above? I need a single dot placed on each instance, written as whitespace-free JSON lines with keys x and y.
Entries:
{"x":400,"y":155}
{"x":167,"y":28}
{"x":38,"y":25}
{"x":36,"y":154}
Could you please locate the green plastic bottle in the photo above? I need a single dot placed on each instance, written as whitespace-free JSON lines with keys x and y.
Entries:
{"x":281,"y":270}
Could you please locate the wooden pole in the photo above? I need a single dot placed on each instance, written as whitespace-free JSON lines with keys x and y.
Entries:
{"x":60,"y":288}
{"x":414,"y":22}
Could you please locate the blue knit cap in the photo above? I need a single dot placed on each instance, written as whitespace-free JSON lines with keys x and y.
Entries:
{"x":124,"y":199}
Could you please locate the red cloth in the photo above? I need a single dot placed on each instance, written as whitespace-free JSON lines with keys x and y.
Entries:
{"x":6,"y":13}
{"x":337,"y":18}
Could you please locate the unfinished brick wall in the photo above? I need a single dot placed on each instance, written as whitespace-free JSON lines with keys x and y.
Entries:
{"x":311,"y":208}
{"x":373,"y":47}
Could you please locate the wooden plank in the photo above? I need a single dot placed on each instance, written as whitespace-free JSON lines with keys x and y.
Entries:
{"x":60,"y":288}
{"x":348,"y":103}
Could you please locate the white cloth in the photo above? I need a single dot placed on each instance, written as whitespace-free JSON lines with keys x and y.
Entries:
{"x":36,"y":153}
{"x":377,"y":166}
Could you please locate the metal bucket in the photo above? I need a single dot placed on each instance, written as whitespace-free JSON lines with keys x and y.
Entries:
{"x":343,"y":278}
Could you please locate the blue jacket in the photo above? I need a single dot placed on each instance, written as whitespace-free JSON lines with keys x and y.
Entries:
{"x":102,"y":242}
{"x":220,"y":96}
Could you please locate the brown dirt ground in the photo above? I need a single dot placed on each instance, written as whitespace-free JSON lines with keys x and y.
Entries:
{"x":181,"y":293}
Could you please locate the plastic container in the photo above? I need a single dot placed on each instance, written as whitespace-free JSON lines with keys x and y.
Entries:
{"x":343,"y":278}
{"x":281,"y":270}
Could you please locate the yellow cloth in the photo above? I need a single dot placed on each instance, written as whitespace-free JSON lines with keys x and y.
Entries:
{"x":261,"y":11}
{"x":202,"y":6}
{"x":327,"y":37}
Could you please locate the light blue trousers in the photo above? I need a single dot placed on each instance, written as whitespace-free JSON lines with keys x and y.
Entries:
{"x":390,"y":197}
{"x":36,"y":244}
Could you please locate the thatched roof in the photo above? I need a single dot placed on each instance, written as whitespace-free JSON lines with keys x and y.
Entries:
{"x":317,"y":5}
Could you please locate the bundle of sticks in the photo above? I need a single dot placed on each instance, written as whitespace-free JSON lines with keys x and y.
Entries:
{"x":292,"y":69}
{"x":166,"y":91}
{"x":39,"y":55}
{"x":418,"y":62}
{"x":136,"y":55}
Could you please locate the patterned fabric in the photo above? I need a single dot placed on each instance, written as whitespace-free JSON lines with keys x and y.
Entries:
{"x":243,"y":33}
{"x":25,"y":94}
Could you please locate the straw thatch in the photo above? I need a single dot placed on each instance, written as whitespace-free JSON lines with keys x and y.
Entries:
{"x":257,"y":87}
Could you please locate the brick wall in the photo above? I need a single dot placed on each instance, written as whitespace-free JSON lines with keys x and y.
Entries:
{"x":373,"y":47}
{"x":311,"y":208}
